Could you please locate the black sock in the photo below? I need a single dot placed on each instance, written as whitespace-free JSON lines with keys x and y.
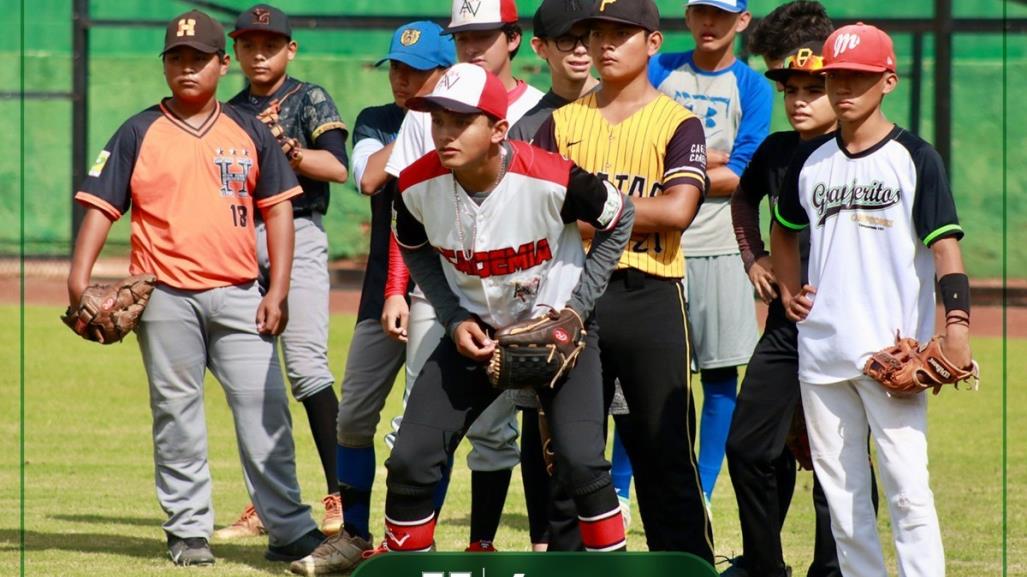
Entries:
{"x":322,"y":410}
{"x":359,"y":502}
{"x":488,"y":495}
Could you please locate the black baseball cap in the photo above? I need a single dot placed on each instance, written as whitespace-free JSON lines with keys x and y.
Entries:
{"x":641,"y":13}
{"x":262,"y":18}
{"x":554,"y":18}
{"x":196,"y":30}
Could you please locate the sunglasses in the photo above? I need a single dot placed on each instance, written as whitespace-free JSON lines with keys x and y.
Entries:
{"x":804,"y":59}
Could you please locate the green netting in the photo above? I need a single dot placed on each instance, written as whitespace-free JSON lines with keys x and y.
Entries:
{"x":125,"y":76}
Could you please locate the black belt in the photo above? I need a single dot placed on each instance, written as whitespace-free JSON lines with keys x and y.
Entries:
{"x":634,"y":279}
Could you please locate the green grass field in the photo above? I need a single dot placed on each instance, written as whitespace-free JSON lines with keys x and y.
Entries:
{"x":90,"y":507}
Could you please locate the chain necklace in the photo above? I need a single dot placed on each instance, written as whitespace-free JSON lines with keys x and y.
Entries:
{"x":461,"y":210}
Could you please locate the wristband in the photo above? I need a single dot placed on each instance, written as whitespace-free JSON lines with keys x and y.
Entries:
{"x":955,"y":292}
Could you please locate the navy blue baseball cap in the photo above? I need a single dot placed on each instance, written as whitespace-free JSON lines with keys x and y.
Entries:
{"x":421,"y":45}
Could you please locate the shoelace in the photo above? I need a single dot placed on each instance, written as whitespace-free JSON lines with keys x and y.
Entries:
{"x":332,"y":503}
{"x":249,"y":513}
{"x":383,"y":548}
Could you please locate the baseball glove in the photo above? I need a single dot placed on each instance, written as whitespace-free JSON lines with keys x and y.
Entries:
{"x":106,"y":313}
{"x":907,"y":368}
{"x":289,"y":145}
{"x":537,"y":352}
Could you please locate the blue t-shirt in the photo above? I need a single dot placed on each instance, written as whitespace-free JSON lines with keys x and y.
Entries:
{"x":735,"y":105}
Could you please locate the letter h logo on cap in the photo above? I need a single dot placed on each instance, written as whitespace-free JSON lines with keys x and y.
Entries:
{"x":186,"y":27}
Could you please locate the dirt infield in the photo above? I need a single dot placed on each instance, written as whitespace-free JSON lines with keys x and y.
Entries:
{"x":51,"y":291}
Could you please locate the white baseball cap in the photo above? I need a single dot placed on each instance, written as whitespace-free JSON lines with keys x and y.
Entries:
{"x":466,"y":89}
{"x":481,"y":15}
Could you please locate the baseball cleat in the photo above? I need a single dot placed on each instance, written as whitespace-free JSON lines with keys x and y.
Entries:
{"x":340,"y":553}
{"x":480,"y":547}
{"x":298,"y":549}
{"x":625,"y":512}
{"x":189,"y":551}
{"x":247,"y":525}
{"x":332,"y":522}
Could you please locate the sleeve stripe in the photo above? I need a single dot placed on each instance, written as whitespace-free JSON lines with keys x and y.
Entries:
{"x":784,"y":222}
{"x":942,"y":231}
{"x":678,"y":169}
{"x":94,"y":201}
{"x":326,"y":127}
{"x":282,"y":196}
{"x":685,"y":179}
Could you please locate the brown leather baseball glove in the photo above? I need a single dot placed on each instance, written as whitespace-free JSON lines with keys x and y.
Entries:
{"x":289,"y":145}
{"x":907,"y":368}
{"x":106,"y":313}
{"x":536,"y":352}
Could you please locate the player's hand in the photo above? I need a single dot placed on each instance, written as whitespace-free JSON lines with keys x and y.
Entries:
{"x":956,"y":345}
{"x":761,"y":274}
{"x":472,"y":342}
{"x":798,"y":308}
{"x":716,"y":158}
{"x":395,"y":314}
{"x":272,"y":314}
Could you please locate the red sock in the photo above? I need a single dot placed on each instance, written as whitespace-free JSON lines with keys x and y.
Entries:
{"x":410,"y":535}
{"x":603,"y":532}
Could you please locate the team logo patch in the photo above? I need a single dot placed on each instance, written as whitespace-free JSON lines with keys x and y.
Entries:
{"x":831,"y":200}
{"x":526,"y":291}
{"x":450,"y":79}
{"x":186,"y":27}
{"x":845,"y":42}
{"x":469,"y":9}
{"x":604,"y":3}
{"x":99,"y":163}
{"x":410,"y":37}
{"x":262,"y":16}
{"x":561,"y":336}
{"x":234,"y":166}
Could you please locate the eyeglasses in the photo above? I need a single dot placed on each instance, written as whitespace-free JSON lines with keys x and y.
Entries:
{"x":569,"y":42}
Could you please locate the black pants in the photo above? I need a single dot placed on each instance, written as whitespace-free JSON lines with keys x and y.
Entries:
{"x":762,"y":468}
{"x":643,"y":341}
{"x":452,"y":391}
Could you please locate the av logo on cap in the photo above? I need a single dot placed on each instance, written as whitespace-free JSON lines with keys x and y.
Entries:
{"x":450,"y":79}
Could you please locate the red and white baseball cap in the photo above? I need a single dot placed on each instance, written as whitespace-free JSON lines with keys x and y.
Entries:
{"x":466,"y":89}
{"x":859,"y":47}
{"x":481,"y":15}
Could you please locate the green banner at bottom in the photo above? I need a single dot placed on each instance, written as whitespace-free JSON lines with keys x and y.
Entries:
{"x":535,"y":565}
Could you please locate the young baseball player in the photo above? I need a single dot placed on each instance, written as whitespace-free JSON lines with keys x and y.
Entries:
{"x":734,"y":104}
{"x":418,"y":55}
{"x":264,"y":48}
{"x":486,"y":34}
{"x":883,"y":228}
{"x":762,"y":468}
{"x":488,"y":230}
{"x":654,"y":150}
{"x":194,"y":172}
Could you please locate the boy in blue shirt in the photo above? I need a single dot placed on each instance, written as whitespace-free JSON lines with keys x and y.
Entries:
{"x":734,"y":103}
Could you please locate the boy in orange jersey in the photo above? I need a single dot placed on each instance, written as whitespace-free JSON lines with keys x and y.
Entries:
{"x":192,"y":171}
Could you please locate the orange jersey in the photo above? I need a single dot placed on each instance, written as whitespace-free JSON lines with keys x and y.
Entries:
{"x":660,"y":145}
{"x":192,"y":193}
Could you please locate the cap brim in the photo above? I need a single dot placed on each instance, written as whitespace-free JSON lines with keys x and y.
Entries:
{"x":201,"y":46}
{"x":413,"y":60}
{"x":782,"y":74}
{"x":484,"y":26}
{"x":854,"y":66}
{"x":428,"y":103}
{"x":239,"y":32}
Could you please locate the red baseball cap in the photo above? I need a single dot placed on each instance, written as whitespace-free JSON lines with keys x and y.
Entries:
{"x":859,"y":47}
{"x":467,"y":89}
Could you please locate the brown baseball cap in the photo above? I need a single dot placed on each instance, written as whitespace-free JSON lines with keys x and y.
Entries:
{"x":196,"y":30}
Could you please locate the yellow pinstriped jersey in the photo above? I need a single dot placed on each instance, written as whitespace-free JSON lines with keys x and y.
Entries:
{"x":660,"y":145}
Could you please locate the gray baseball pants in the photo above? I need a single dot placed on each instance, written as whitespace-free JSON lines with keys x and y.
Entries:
{"x":181,"y":335}
{"x":305,"y":340}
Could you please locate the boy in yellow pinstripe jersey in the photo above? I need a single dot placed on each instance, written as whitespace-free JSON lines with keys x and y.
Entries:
{"x":653,"y":150}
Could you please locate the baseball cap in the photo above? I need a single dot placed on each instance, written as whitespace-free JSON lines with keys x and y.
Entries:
{"x":554,"y":18}
{"x":196,"y":30}
{"x":734,"y":6}
{"x":262,"y":18}
{"x":859,"y":47}
{"x":481,"y":15}
{"x":806,"y":59}
{"x":421,"y":45}
{"x":642,"y":13}
{"x":465,"y":88}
